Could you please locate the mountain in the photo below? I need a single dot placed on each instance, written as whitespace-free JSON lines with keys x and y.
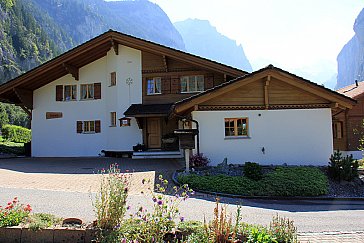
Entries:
{"x":202,"y":39}
{"x":351,"y":58}
{"x":23,"y":43}
{"x":85,"y":19}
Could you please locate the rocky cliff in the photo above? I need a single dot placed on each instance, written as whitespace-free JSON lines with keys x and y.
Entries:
{"x":202,"y":39}
{"x":351,"y":58}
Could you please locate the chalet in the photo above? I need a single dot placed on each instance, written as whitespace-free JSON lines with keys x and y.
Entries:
{"x":116,"y":90}
{"x":348,"y":124}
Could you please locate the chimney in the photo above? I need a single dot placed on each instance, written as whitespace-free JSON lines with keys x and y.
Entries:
{"x":356,"y":83}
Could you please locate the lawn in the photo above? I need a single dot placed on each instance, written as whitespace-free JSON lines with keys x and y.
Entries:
{"x":281,"y":181}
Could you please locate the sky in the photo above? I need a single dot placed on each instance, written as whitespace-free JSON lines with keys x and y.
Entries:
{"x":300,"y":36}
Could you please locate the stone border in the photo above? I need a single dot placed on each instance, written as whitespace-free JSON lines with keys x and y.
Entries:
{"x":51,"y":235}
{"x":174,"y":179}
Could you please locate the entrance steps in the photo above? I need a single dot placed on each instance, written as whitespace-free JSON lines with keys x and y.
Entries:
{"x":157,"y":154}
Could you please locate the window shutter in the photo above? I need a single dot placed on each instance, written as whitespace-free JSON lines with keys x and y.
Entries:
{"x":59,"y":93}
{"x":166,"y":85}
{"x":97,"y":91}
{"x":209,"y":82}
{"x":113,"y":79}
{"x":97,"y":126}
{"x":79,"y":127}
{"x":175,"y":85}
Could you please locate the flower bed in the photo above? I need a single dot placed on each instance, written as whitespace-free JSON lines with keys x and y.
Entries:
{"x":280,"y":181}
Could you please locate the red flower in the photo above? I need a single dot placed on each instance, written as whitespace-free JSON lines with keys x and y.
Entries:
{"x":28,"y":208}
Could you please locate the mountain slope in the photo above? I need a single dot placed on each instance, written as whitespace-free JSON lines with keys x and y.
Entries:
{"x":351,"y":58}
{"x":85,"y":19}
{"x":203,"y":39}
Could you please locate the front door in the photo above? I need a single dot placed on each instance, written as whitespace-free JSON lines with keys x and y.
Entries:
{"x":154,"y":132}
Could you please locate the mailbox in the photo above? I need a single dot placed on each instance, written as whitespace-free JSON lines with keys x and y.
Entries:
{"x":186,"y":138}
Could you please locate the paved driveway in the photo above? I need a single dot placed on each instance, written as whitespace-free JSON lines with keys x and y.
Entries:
{"x":77,"y":174}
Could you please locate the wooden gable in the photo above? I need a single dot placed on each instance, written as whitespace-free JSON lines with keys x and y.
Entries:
{"x":268,"y":88}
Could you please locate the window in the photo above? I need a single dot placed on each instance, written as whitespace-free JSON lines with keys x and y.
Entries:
{"x":154,"y":86}
{"x":236,"y":127}
{"x":88,"y":126}
{"x":87,"y":91}
{"x":113,"y":79}
{"x":338,"y":129}
{"x":192,"y":84}
{"x":112,"y":119}
{"x":70,"y":92}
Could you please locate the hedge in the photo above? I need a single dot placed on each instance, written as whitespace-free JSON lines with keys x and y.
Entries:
{"x":16,"y":134}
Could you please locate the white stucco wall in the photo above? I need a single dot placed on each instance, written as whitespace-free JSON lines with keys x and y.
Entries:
{"x":58,"y":137}
{"x":295,"y":137}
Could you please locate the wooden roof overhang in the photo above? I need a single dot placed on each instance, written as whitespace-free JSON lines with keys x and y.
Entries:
{"x":19,"y":90}
{"x":336,"y":100}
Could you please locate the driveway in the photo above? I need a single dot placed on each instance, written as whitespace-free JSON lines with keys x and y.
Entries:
{"x":65,"y":186}
{"x":78,"y":174}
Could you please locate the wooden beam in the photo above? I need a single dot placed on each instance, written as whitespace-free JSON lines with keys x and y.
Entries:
{"x":334,"y":105}
{"x":115,"y":45}
{"x":29,"y":112}
{"x":25,"y":96}
{"x":72,"y":70}
{"x":165,"y":63}
{"x":266,"y":93}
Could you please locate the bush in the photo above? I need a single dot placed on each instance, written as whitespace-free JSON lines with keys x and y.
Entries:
{"x":199,"y":160}
{"x":16,"y":134}
{"x":253,"y":171}
{"x":110,"y":202}
{"x":343,"y":168}
{"x":41,"y":221}
{"x":283,"y":181}
{"x":283,"y":230}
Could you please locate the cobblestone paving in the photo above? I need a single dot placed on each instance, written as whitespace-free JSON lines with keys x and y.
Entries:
{"x":332,"y":237}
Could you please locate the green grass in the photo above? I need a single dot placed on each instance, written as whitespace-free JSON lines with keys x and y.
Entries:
{"x":282,"y":181}
{"x":11,"y":147}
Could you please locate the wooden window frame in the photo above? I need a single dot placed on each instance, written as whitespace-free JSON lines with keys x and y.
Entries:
{"x":89,"y":127}
{"x":189,"y":88}
{"x":113,"y":119}
{"x":112,"y":79}
{"x":73,"y":87}
{"x":88,"y":95}
{"x":338,"y":127}
{"x":154,"y":85}
{"x":235,"y":127}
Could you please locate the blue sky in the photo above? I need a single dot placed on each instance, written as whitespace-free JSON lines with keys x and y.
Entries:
{"x":301,"y":36}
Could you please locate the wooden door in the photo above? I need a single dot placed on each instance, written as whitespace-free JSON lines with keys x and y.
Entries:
{"x":154,"y":132}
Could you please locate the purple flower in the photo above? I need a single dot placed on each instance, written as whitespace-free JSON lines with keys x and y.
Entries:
{"x":160,"y":202}
{"x":154,"y":199}
{"x":128,"y":208}
{"x":182,"y":219}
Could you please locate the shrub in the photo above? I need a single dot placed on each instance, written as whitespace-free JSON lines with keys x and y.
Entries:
{"x":283,"y":181}
{"x":16,"y":134}
{"x":199,"y":160}
{"x":110,"y":202}
{"x":253,"y":171}
{"x":260,"y":235}
{"x":283,"y":230}
{"x":343,"y":168}
{"x":41,"y":221}
{"x":14,"y":213}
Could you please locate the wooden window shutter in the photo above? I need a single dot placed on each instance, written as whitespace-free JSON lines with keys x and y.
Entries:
{"x":97,"y":126}
{"x":97,"y":91}
{"x":209,"y":82}
{"x":166,"y":85}
{"x":79,"y":126}
{"x":59,"y":93}
{"x":175,"y":85}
